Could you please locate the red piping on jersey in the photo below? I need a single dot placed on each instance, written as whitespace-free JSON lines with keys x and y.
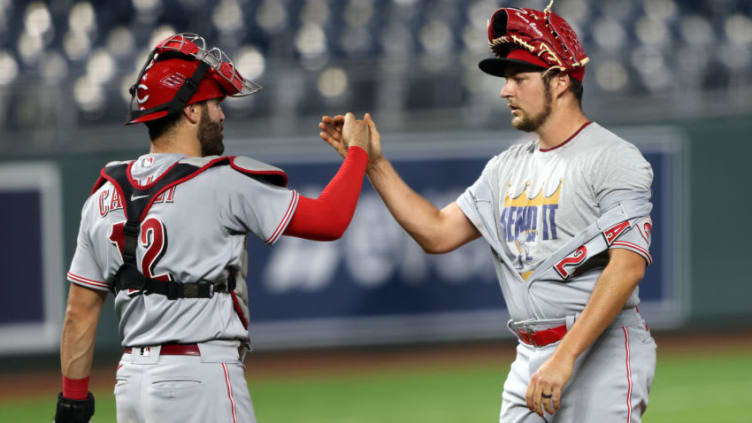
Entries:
{"x":643,"y":251}
{"x":229,"y":393}
{"x":84,"y":280}
{"x":103,"y":176}
{"x":238,"y":310}
{"x":99,"y":182}
{"x":119,"y":190}
{"x":285,"y":219}
{"x":150,"y":184}
{"x":571,"y":137}
{"x":176,"y":182}
{"x":165,"y":188}
{"x":629,"y":376}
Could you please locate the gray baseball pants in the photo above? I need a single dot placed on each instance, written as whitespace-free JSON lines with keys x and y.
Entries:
{"x":156,"y":388}
{"x":610,"y":381}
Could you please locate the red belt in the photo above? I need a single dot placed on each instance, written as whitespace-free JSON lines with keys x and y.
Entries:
{"x":541,"y":338}
{"x":172,"y":349}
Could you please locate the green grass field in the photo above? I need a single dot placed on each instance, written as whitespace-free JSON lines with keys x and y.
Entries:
{"x":701,"y":388}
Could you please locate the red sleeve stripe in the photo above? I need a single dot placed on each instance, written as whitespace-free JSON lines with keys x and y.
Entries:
{"x":636,"y":248}
{"x":80,"y":279}
{"x":285,"y":219}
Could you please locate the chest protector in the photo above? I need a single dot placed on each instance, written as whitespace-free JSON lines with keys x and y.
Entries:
{"x":138,"y":200}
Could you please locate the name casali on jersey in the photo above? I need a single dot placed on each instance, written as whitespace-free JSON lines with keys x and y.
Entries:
{"x":109,"y":199}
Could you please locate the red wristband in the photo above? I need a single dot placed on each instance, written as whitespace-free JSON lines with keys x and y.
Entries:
{"x":76,"y":389}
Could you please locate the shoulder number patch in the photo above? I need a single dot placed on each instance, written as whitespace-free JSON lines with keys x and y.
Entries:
{"x":645,"y":226}
{"x":613,"y":232}
{"x":574,"y":259}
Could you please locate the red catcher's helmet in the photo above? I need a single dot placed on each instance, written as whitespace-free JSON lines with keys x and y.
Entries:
{"x":181,"y":71}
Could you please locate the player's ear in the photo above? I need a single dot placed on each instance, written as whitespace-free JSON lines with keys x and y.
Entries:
{"x":192,"y":112}
{"x":560,"y":83}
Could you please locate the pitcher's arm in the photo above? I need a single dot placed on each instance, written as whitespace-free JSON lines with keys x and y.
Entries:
{"x":436,"y":231}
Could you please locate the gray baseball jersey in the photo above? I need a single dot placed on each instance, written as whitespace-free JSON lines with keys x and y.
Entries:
{"x":547,"y":212}
{"x":194,"y":231}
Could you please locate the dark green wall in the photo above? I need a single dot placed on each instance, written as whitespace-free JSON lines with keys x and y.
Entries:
{"x":79,"y":172}
{"x":721,"y":220}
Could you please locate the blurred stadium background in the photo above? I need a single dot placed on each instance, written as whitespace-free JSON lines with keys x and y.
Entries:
{"x":671,"y":76}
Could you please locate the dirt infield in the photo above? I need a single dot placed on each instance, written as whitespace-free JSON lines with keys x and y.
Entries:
{"x":333,"y":362}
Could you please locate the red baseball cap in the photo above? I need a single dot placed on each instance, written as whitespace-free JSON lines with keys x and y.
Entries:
{"x":495,"y":66}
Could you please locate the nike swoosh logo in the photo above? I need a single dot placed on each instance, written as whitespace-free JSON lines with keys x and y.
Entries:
{"x":138,"y":197}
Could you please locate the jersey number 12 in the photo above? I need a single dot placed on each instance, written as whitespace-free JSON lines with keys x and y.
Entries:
{"x":153,"y":238}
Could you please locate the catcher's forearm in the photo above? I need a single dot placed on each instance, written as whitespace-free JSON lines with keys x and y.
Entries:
{"x":414,"y":213}
{"x":79,"y":330}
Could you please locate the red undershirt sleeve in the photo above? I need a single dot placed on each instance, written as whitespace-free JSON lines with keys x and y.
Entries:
{"x":326,"y":218}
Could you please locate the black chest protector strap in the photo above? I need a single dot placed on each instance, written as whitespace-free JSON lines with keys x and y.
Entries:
{"x":136,"y":202}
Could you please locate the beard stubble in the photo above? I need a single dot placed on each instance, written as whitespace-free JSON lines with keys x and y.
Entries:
{"x":210,"y":135}
{"x":530,"y":124}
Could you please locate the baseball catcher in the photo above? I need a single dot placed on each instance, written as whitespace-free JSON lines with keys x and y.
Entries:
{"x":166,"y":234}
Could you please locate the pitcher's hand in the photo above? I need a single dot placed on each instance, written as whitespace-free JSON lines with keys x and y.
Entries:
{"x":355,"y":132}
{"x":547,"y":384}
{"x":374,"y":152}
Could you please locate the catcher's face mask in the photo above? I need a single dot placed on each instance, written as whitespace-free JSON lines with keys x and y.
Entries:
{"x":181,"y":71}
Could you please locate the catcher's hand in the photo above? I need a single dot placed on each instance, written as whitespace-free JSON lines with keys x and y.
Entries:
{"x":331,"y":132}
{"x":74,"y":411}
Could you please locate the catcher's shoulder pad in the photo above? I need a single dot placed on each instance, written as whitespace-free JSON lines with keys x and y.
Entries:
{"x":101,"y":180}
{"x":204,"y":161}
{"x":259,"y":170}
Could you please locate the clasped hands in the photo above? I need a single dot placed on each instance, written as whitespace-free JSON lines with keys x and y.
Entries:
{"x":343,"y":132}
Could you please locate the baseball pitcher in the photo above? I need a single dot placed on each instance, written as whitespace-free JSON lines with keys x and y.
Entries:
{"x":166,"y":234}
{"x":567,"y":217}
